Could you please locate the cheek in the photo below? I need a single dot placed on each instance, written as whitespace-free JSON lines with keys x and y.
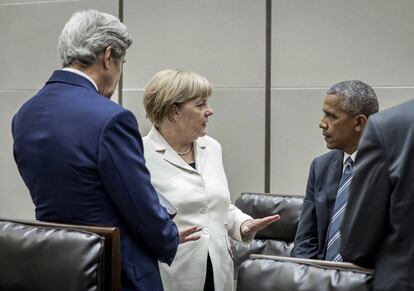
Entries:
{"x":344,"y":133}
{"x":196,"y":117}
{"x":118,"y":76}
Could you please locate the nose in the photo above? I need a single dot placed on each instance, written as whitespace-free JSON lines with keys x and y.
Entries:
{"x":323,"y":124}
{"x":209,"y":111}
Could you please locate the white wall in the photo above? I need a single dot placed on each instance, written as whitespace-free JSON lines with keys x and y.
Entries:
{"x":318,"y":43}
{"x":29,"y":31}
{"x":225,"y":42}
{"x":314,"y":45}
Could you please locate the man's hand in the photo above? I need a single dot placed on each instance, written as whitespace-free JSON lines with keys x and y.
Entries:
{"x":185,"y":235}
{"x":252,"y":225}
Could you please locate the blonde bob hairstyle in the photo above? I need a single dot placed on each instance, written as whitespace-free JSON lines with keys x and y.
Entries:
{"x":169,"y":88}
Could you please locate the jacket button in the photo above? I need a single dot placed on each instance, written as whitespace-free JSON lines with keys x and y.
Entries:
{"x":205,"y":231}
{"x":203,"y":210}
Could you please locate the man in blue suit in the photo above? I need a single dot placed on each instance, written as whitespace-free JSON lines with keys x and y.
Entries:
{"x":81,"y":154}
{"x":346,"y":108}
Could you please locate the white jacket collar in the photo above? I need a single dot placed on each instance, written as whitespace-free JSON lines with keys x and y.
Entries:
{"x":170,"y":155}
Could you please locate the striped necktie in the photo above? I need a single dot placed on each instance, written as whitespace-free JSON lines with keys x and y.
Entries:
{"x":332,"y":248}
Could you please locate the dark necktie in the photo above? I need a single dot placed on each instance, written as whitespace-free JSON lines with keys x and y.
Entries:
{"x":332,"y":249}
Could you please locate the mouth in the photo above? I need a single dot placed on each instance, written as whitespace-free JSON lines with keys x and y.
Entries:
{"x":326,"y":136}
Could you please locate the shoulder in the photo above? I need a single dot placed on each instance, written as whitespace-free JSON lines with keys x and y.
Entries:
{"x":394,"y":118}
{"x":90,"y":103}
{"x":209,"y":142}
{"x":392,"y":125}
{"x":154,"y":140}
{"x":327,"y":164}
{"x":116,"y":114}
{"x":118,"y":122}
{"x":403,"y":111}
{"x":328,"y":157}
{"x":147,"y":142}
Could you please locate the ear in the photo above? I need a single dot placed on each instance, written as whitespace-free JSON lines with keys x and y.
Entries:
{"x":108,"y":58}
{"x":360,"y":122}
{"x":173,"y":113}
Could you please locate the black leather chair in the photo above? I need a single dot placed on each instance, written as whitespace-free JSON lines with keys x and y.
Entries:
{"x":265,"y":263}
{"x":43,"y":256}
{"x":273,"y":273}
{"x":277,"y":239}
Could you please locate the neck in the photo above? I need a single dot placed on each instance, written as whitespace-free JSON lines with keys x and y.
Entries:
{"x":175,"y":139}
{"x":351,"y":150}
{"x":93,"y":71}
{"x":90,"y":70}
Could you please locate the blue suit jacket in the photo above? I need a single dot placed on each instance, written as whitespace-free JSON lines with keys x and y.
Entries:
{"x":81,"y":157}
{"x":323,"y":182}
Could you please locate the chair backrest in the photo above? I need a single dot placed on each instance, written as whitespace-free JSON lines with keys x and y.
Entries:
{"x":43,"y":256}
{"x":260,"y":205}
{"x":273,"y":273}
{"x":276,"y":239}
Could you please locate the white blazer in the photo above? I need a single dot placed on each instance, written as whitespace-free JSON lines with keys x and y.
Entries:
{"x":202,"y":198}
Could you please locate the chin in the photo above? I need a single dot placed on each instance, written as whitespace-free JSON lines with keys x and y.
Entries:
{"x":109,"y":94}
{"x":330,"y":146}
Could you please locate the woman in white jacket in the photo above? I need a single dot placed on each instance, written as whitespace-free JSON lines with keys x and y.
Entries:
{"x":186,"y":167}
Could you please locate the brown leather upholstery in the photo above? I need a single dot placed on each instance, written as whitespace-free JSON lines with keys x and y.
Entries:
{"x":265,"y":265}
{"x":287,"y":206}
{"x":272,"y":273}
{"x":277,"y":239}
{"x":42,"y":256}
{"x":241,"y":252}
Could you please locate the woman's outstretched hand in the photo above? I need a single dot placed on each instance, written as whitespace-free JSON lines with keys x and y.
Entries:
{"x":252,"y":225}
{"x":186,"y":234}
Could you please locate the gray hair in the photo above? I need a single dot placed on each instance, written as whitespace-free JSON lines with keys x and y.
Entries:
{"x":357,"y":97}
{"x":88,"y":33}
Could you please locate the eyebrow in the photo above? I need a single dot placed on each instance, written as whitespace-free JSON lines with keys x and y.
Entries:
{"x":328,"y":112}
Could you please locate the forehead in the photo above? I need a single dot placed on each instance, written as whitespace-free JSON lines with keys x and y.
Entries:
{"x":332,"y":103}
{"x":197,"y":99}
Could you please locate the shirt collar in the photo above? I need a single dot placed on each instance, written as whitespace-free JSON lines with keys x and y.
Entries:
{"x":348,"y":155}
{"x":80,"y":73}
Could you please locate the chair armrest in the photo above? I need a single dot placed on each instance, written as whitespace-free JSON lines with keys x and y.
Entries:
{"x":317,"y":263}
{"x":275,"y":273}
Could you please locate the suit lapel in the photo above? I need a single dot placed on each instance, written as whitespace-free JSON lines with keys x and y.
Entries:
{"x":170,"y":155}
{"x":329,"y":190}
{"x":200,"y":154}
{"x":335,"y":170}
{"x":337,"y":166}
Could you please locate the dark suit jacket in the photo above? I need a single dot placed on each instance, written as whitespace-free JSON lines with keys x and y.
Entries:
{"x":323,"y":182}
{"x":379,"y":232}
{"x":81,"y":157}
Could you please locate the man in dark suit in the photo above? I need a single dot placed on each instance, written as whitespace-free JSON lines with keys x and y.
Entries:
{"x":81,"y":154}
{"x":346,"y":109}
{"x":378,"y":232}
